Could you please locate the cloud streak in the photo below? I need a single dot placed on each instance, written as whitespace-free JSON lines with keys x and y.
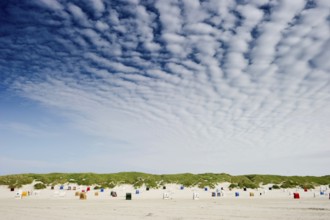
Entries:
{"x":207,"y":78}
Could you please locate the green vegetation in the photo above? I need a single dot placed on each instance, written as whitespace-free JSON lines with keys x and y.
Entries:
{"x":155,"y":181}
{"x":300,"y":183}
{"x":307,"y":186}
{"x":97,"y":187}
{"x":233,"y":186}
{"x":276,"y":186}
{"x":39,"y":186}
{"x":289,"y":184}
{"x":15,"y":181}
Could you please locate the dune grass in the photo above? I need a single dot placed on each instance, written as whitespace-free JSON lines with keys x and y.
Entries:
{"x":138,"y":179}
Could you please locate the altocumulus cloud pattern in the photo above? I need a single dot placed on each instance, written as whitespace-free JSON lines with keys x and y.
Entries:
{"x":215,"y":85}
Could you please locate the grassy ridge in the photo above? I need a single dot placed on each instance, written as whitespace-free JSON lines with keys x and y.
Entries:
{"x":154,"y":181}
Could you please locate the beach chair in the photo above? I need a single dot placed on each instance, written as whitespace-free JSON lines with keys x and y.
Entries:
{"x":128,"y":196}
{"x":24,"y":194}
{"x":195,"y":196}
{"x":113,"y":194}
{"x":18,"y":195}
{"x":166,"y":195}
{"x":222,"y":193}
{"x":82,"y":196}
{"x":296,"y":196}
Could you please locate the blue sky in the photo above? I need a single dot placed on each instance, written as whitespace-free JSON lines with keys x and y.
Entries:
{"x":165,"y":86}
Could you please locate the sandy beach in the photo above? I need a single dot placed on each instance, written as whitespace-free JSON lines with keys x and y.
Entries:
{"x":63,"y":204}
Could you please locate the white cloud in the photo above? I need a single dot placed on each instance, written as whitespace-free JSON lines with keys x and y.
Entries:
{"x":223,"y":81}
{"x":199,"y":28}
{"x":27,"y":130}
{"x":101,"y":26}
{"x":173,"y":38}
{"x":98,"y":6}
{"x":170,"y":14}
{"x":271,"y":31}
{"x":50,"y":4}
{"x":108,"y":63}
{"x":321,"y":60}
{"x":252,"y":16}
{"x":78,"y":15}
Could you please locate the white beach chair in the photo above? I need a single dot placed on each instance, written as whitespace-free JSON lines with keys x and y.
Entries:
{"x":166,"y":195}
{"x":223,"y":193}
{"x":195,"y":196}
{"x":18,"y":194}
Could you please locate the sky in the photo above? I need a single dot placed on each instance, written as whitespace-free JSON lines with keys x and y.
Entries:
{"x":174,"y":86}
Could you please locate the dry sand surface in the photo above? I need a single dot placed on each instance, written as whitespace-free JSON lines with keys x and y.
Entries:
{"x":275,"y":204}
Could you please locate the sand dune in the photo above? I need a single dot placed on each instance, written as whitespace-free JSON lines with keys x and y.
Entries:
{"x":275,"y":204}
